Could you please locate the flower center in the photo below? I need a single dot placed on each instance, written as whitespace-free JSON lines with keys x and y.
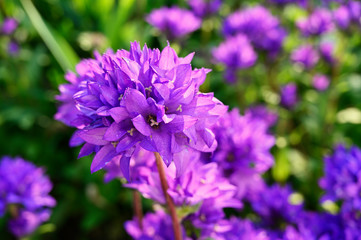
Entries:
{"x":152,"y":121}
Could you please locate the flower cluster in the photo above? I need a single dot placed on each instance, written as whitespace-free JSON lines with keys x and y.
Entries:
{"x":8,"y":27}
{"x":319,"y":22}
{"x":320,"y":82}
{"x":259,"y":25}
{"x":203,"y":8}
{"x":306,"y":56}
{"x":289,"y":95}
{"x":24,"y":191}
{"x":243,"y":150}
{"x":174,"y":22}
{"x":139,"y":97}
{"x":348,"y":13}
{"x":156,"y":225}
{"x":236,"y":53}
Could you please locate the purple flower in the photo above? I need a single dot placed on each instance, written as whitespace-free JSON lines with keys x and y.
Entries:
{"x":355,"y":11}
{"x":236,"y":53}
{"x":28,"y":221}
{"x":342,"y":180}
{"x":259,"y":25}
{"x":204,"y":7}
{"x":320,"y":82}
{"x":26,"y":188}
{"x":243,"y":143}
{"x":174,"y":22}
{"x":350,"y":212}
{"x":342,"y":17}
{"x":141,"y":164}
{"x":8,"y":26}
{"x":327,"y":52}
{"x":262,"y":113}
{"x":234,"y":229}
{"x":348,"y":13}
{"x":316,"y":226}
{"x":274,"y":207}
{"x":190,"y":183}
{"x":289,"y":95}
{"x":156,"y":225}
{"x":243,"y":150}
{"x":141,"y":97}
{"x":305,"y":55}
{"x":319,"y":22}
{"x":13,"y":48}
{"x":284,"y":2}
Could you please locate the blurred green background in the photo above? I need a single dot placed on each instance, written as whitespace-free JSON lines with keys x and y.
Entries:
{"x":55,"y":34}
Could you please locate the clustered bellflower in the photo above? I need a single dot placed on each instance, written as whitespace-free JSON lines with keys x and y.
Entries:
{"x":203,"y":8}
{"x":236,"y":53}
{"x":8,"y":26}
{"x":289,"y":95}
{"x":342,"y":182}
{"x":174,"y":21}
{"x":156,"y":225}
{"x":24,"y":191}
{"x":139,"y":97}
{"x":348,"y":13}
{"x":320,"y":82}
{"x":259,"y":25}
{"x":306,"y":56}
{"x":319,"y":22}
{"x":243,"y":151}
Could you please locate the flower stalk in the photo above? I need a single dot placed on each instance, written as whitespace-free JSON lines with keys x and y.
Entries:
{"x":168,"y":199}
{"x":137,"y":205}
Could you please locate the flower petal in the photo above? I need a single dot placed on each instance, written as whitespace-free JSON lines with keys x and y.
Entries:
{"x":141,"y":125}
{"x":102,"y":157}
{"x":94,"y":136}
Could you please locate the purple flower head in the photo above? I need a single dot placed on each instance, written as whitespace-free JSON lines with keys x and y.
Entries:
{"x":263,"y":113}
{"x":8,"y":26}
{"x":351,"y":217}
{"x":28,"y":221}
{"x":327,"y":52}
{"x":236,"y":53}
{"x":342,"y":180}
{"x":204,"y":7}
{"x":243,"y":143}
{"x":320,"y":82}
{"x":274,"y":206}
{"x":13,"y":48}
{"x":190,"y":182}
{"x":318,"y":226}
{"x":302,"y":3}
{"x":289,"y":95}
{"x":354,"y":8}
{"x":259,"y":25}
{"x":319,"y":22}
{"x":141,"y":97}
{"x":234,"y":229}
{"x":156,"y":225}
{"x":342,"y":17}
{"x":306,"y":56}
{"x":174,"y":22}
{"x":26,"y":188}
{"x":243,"y":150}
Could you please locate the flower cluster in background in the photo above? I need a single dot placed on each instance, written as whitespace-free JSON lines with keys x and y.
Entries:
{"x":24,"y":193}
{"x":7,"y":29}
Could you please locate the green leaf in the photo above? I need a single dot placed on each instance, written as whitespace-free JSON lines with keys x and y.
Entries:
{"x":57,"y":45}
